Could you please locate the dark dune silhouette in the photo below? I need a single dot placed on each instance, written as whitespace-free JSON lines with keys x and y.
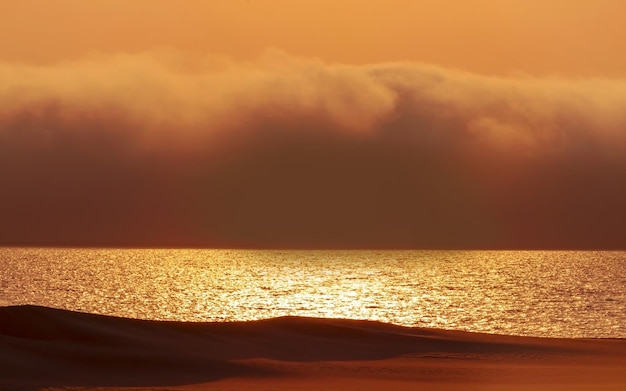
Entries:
{"x":45,"y":347}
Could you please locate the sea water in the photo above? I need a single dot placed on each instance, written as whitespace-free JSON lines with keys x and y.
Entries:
{"x":536,"y":293}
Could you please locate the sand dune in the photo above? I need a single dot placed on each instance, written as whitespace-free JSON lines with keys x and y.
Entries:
{"x":50,"y":348}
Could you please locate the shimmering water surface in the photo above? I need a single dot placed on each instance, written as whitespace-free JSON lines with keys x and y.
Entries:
{"x":566,"y":294}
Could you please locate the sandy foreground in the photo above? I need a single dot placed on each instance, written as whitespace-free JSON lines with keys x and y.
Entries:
{"x":45,"y":348}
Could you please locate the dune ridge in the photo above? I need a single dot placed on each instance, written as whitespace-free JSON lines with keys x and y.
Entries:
{"x":44,"y":347}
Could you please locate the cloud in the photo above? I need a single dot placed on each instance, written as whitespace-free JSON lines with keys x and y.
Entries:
{"x":160,"y":148}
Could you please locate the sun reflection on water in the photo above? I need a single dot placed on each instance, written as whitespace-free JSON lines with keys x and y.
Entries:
{"x":569,"y":294}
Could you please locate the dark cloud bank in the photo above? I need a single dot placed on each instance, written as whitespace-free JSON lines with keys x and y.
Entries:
{"x":158,"y":150}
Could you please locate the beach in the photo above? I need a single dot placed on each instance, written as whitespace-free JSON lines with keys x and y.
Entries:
{"x":312,"y":195}
{"x":46,"y":348}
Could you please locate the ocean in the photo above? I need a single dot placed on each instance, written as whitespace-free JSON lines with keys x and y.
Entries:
{"x":531,"y":293}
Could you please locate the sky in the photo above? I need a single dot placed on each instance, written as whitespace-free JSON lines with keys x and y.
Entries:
{"x":313,"y":124}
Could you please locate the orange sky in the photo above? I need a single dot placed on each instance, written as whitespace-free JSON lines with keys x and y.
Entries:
{"x":565,"y":37}
{"x":482,"y":124}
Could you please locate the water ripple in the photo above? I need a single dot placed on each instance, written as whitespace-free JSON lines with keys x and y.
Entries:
{"x":539,"y":293}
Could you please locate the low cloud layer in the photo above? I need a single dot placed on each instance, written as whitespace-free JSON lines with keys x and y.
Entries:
{"x":163,"y":149}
